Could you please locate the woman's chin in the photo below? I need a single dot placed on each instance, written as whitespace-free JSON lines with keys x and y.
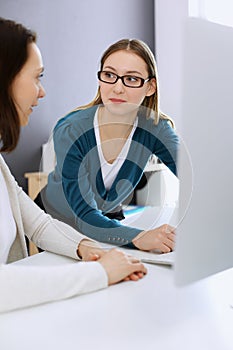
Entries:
{"x":24,"y":119}
{"x":122,"y":109}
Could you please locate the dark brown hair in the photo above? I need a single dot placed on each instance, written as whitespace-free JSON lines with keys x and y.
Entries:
{"x":141,"y":49}
{"x":14,"y":40}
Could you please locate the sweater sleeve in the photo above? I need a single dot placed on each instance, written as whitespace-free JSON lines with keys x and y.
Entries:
{"x":24,"y":286}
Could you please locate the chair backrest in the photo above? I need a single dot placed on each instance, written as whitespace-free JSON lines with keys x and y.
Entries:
{"x":48,"y":161}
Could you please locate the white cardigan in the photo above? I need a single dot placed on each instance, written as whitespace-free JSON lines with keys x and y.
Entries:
{"x":23,"y":286}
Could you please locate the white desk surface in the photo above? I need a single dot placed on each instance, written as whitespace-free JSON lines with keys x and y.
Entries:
{"x":149,"y":314}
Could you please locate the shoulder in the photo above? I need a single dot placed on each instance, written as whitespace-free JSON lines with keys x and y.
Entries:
{"x":149,"y":132}
{"x":2,"y":162}
{"x":76,"y":127}
{"x":149,"y":125}
{"x":4,"y":168}
{"x":165,"y":124}
{"x":82,"y":118}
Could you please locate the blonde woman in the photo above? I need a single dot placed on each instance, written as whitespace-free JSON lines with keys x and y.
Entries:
{"x":102,"y":149}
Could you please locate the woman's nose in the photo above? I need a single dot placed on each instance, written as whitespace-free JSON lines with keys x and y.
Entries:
{"x":42,"y":92}
{"x":119,"y":86}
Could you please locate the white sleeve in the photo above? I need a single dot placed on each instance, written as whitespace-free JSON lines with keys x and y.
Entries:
{"x":23,"y":286}
{"x":47,"y":233}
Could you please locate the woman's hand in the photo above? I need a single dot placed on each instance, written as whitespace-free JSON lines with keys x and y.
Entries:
{"x":90,"y":250}
{"x":119,"y":266}
{"x":161,"y":238}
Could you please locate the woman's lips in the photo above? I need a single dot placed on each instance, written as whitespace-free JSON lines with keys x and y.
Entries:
{"x":116,"y":100}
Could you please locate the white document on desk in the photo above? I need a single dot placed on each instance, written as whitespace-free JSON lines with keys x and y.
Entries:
{"x":146,"y":257}
{"x":152,"y":257}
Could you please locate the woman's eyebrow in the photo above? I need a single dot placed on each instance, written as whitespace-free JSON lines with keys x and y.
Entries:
{"x":128,"y":72}
{"x":41,"y":69}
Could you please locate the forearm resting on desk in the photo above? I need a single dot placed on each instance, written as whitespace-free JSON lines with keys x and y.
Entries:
{"x":23,"y":286}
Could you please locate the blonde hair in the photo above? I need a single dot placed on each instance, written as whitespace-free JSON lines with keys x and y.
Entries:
{"x":141,"y":49}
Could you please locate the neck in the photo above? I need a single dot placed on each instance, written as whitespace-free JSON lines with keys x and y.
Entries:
{"x":107,"y":117}
{"x":115,"y":126}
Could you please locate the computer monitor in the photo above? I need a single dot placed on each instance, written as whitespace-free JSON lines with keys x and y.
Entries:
{"x":205,"y":233}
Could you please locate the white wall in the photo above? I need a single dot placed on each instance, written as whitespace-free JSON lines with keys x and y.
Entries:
{"x":169,"y":28}
{"x":72,"y":36}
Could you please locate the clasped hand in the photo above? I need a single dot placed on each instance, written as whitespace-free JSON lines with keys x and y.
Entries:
{"x":118,"y":265}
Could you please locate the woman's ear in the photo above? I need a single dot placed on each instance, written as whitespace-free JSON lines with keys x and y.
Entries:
{"x":152,"y":87}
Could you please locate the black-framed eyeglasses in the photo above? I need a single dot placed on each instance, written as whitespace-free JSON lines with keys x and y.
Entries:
{"x":131,"y":81}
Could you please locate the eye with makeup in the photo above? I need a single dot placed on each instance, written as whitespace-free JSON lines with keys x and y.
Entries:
{"x":40,"y":73}
{"x":40,"y":76}
{"x":109,"y":75}
{"x":132,"y":79}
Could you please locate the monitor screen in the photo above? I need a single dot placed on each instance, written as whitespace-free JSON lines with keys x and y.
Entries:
{"x":205,"y":232}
